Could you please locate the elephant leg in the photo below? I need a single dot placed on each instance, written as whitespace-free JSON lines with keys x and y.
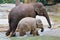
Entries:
{"x":22,"y":33}
{"x":12,"y":34}
{"x":35,"y":32}
{"x":8,"y":32}
{"x":14,"y":26}
{"x":10,"y":28}
{"x":31,"y":31}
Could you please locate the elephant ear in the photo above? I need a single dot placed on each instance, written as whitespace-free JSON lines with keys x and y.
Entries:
{"x":39,"y":10}
{"x":36,"y":10}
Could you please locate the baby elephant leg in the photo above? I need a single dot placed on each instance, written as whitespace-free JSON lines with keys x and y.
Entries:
{"x":35,"y":32}
{"x":22,"y":33}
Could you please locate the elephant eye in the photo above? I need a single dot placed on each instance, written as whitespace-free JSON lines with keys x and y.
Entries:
{"x":40,"y":9}
{"x":36,"y":8}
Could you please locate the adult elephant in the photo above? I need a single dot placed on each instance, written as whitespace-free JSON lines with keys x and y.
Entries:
{"x":25,"y":10}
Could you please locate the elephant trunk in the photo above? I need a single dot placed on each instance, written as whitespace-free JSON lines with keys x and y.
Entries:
{"x":47,"y":17}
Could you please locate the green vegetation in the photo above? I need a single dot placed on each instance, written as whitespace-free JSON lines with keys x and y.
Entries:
{"x":6,"y":1}
{"x":55,"y":18}
{"x":36,"y":38}
{"x":12,"y":1}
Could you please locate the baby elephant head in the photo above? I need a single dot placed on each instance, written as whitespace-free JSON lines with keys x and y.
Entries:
{"x":39,"y":24}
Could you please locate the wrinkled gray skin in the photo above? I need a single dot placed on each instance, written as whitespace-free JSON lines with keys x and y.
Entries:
{"x":25,"y":10}
{"x":29,"y":24}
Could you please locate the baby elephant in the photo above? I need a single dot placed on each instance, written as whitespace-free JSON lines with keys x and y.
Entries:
{"x":30,"y":24}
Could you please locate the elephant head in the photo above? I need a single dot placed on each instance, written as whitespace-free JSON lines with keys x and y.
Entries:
{"x":41,"y":11}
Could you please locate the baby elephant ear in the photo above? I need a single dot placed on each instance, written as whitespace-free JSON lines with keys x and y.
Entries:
{"x":38,"y":20}
{"x":39,"y":23}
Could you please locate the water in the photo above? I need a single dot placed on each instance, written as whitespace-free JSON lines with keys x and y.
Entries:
{"x":48,"y":34}
{"x":3,"y":21}
{"x":45,"y":31}
{"x":3,"y":37}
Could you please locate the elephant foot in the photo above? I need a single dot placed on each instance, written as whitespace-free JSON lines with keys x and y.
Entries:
{"x":7,"y":33}
{"x":12,"y":34}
